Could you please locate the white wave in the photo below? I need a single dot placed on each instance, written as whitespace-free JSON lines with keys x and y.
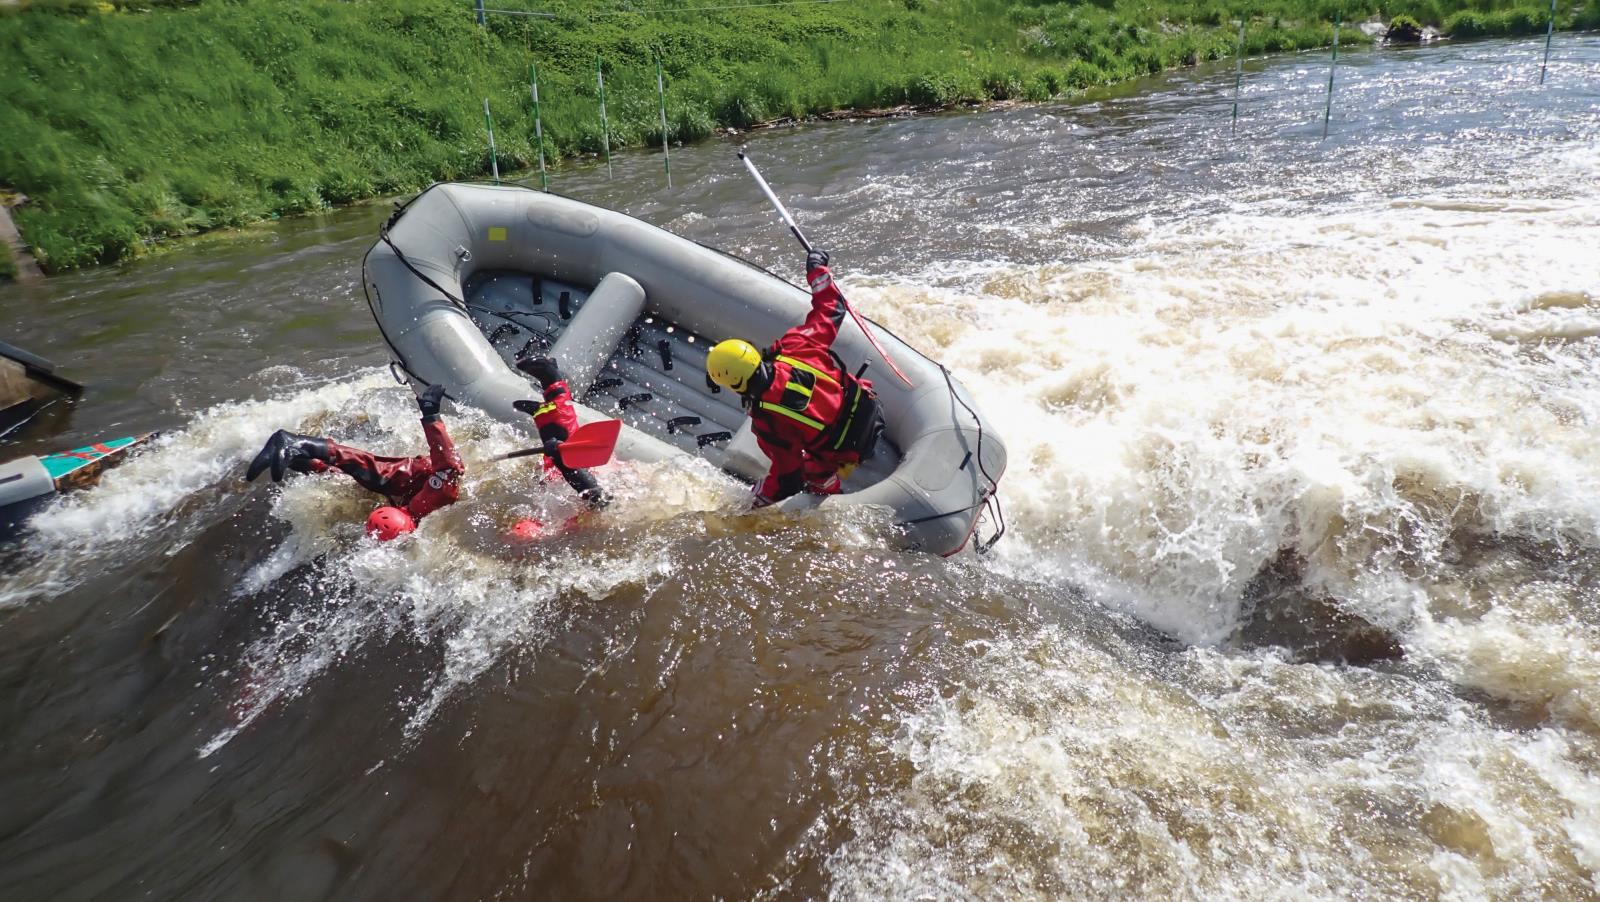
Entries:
{"x":1338,"y":384}
{"x":135,"y":502}
{"x":1055,"y":770}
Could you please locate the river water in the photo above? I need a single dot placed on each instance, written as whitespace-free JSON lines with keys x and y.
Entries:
{"x":1300,"y":598}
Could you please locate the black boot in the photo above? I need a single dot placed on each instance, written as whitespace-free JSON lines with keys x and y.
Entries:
{"x":287,"y":450}
{"x":588,"y":488}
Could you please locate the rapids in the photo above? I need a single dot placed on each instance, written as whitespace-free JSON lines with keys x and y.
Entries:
{"x":1300,"y":598}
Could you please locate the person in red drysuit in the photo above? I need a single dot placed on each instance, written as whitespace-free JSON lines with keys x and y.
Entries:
{"x":556,"y":421}
{"x":414,"y":486}
{"x":812,"y":418}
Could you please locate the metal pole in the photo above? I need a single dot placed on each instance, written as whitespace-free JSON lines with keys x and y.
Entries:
{"x":661,"y":91}
{"x":538,"y":125}
{"x":605,"y":129}
{"x":494,"y":161}
{"x":1238,"y":76}
{"x":1328,"y":112}
{"x":483,"y":20}
{"x":1549,"y":27}
{"x":794,"y":229}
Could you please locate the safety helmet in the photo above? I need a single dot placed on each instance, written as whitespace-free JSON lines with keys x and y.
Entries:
{"x":525,"y":530}
{"x":732,"y":362}
{"x":389,"y":522}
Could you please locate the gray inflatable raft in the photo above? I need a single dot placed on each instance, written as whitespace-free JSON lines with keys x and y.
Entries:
{"x":466,"y":277}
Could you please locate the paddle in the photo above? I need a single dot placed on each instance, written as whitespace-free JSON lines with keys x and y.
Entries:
{"x":590,"y":446}
{"x":788,"y":220}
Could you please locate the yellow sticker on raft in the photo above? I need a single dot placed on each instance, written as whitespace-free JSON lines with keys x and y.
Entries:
{"x":497,"y":233}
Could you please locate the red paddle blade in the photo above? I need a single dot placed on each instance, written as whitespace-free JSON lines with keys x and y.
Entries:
{"x":591,"y":445}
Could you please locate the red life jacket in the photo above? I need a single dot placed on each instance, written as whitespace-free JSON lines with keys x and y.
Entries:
{"x":812,"y":406}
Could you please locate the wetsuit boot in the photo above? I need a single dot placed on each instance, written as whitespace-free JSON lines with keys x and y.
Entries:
{"x":287,"y":450}
{"x":587,"y":487}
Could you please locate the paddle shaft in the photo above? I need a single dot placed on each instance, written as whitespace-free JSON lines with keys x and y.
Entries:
{"x":799,"y":236}
{"x":783,"y":212}
{"x":525,"y":452}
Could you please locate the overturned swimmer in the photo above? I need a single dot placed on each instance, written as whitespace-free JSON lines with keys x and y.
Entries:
{"x":417,"y":486}
{"x":413,"y":486}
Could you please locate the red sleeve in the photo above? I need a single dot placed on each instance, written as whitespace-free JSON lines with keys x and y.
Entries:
{"x":441,"y":451}
{"x":821,"y":325}
{"x":556,"y":412}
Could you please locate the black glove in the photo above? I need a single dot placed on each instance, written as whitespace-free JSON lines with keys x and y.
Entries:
{"x":528,"y":407}
{"x":543,"y":369}
{"x":815,"y":259}
{"x":428,"y":402}
{"x":552,"y":450}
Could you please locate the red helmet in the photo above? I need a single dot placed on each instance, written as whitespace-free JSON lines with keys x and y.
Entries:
{"x":525,"y":530}
{"x":389,"y":522}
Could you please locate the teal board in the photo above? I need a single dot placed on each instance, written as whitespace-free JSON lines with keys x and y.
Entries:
{"x":59,"y":465}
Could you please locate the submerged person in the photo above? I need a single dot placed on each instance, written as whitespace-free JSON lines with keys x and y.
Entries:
{"x":812,"y":418}
{"x":413,"y":486}
{"x":556,"y":421}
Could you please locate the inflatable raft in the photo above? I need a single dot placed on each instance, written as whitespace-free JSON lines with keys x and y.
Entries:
{"x":465,"y":278}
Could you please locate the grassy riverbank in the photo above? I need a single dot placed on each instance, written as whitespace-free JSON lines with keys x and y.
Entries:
{"x":130,"y":125}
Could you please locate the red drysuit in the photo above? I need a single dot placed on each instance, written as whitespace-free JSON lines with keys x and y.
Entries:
{"x":803,"y":420}
{"x":421,"y":485}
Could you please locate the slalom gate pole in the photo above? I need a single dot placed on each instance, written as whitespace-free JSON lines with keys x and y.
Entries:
{"x":1549,"y":27}
{"x":661,"y":91}
{"x":1327,"y":113}
{"x":794,"y":229}
{"x":494,"y":161}
{"x":1238,"y":76}
{"x":538,"y":125}
{"x":605,"y":128}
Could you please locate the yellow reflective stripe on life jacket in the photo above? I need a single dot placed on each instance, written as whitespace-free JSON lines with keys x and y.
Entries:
{"x":799,"y":388}
{"x":849,"y":417}
{"x":797,"y":417}
{"x":808,"y":368}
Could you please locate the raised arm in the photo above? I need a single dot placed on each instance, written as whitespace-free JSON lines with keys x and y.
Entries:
{"x":441,"y":451}
{"x":821,"y":325}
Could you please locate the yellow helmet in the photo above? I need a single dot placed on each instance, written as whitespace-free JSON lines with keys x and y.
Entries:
{"x":732,"y":362}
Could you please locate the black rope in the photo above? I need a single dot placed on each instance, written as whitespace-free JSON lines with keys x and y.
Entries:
{"x":507,"y":315}
{"x":383,"y":232}
{"x":994,"y":484}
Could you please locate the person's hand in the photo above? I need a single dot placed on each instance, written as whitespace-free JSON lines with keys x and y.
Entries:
{"x":816,"y":259}
{"x":552,"y":450}
{"x":544,"y":369}
{"x":428,"y":402}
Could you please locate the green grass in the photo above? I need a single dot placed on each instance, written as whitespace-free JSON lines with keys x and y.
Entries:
{"x":129,"y":123}
{"x":8,"y":266}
